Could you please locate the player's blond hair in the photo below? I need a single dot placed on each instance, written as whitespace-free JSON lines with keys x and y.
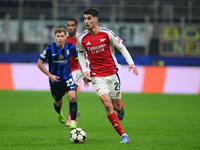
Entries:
{"x":59,"y":30}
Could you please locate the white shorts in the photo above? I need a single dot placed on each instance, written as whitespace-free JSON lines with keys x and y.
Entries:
{"x":107,"y":85}
{"x":77,"y":74}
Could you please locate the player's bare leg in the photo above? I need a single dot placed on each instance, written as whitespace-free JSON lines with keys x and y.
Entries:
{"x":105,"y":99}
{"x":119,"y":107}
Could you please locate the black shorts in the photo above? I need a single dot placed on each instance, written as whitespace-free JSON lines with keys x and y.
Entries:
{"x":59,"y":89}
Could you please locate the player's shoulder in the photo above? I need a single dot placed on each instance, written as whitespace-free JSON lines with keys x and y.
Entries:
{"x":81,"y":35}
{"x":69,"y":45}
{"x":50,"y":46}
{"x":77,"y":34}
{"x":108,"y":31}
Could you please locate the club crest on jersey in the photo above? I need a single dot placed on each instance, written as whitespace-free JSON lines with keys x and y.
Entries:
{"x":102,"y":40}
{"x":61,"y":56}
{"x":67,"y":52}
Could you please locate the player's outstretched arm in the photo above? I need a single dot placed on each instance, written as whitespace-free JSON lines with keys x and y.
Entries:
{"x":134,"y":69}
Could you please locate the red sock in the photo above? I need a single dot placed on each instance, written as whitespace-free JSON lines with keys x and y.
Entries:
{"x":115,"y":123}
{"x":69,"y":114}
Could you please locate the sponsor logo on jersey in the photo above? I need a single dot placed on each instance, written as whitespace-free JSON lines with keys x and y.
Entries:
{"x":61,"y":61}
{"x":54,"y":54}
{"x":102,"y":40}
{"x":96,"y":49}
{"x":88,"y":43}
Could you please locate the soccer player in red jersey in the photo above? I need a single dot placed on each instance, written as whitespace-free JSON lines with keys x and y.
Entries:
{"x":72,"y":26}
{"x":99,"y":42}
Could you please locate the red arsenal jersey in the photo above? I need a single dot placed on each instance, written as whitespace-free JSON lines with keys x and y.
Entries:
{"x":73,"y":63}
{"x":100,"y":51}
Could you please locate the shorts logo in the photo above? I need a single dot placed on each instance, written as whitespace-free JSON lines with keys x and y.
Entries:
{"x":98,"y":89}
{"x":118,"y":92}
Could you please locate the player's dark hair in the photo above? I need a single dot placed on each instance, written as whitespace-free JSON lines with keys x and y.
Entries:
{"x":72,"y":19}
{"x":59,"y":30}
{"x":92,"y":11}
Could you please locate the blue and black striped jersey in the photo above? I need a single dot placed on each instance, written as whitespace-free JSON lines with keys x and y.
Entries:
{"x":58,"y":59}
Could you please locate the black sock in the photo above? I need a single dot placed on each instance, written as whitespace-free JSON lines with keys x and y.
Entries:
{"x":73,"y":110}
{"x":57,"y":108}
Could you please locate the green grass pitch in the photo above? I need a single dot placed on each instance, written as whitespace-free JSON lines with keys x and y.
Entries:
{"x":152,"y":121}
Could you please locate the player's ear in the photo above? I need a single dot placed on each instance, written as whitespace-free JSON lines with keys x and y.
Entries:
{"x":97,"y":19}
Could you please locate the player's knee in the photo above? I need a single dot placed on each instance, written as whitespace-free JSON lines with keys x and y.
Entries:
{"x":72,"y":98}
{"x":59,"y":103}
{"x":108,"y":106}
{"x":117,"y":106}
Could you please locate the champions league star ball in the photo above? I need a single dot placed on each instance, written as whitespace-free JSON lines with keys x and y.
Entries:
{"x":78,"y":135}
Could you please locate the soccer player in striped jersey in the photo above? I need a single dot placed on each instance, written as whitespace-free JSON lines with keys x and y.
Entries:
{"x":60,"y":78}
{"x":99,"y":43}
{"x":72,"y":26}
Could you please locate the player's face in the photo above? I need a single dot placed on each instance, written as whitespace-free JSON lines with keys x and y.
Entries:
{"x":90,"y":21}
{"x":60,"y":39}
{"x":71,"y":27}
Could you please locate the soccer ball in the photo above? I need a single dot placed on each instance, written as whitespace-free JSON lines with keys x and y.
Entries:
{"x":78,"y":135}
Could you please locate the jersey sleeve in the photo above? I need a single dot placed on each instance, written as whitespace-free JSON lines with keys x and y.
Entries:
{"x":45,"y":54}
{"x":117,"y":42}
{"x":81,"y":54}
{"x":79,"y":45}
{"x":74,"y":51}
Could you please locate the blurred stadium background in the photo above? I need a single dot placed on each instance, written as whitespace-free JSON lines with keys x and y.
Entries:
{"x":163,"y":37}
{"x":156,"y":32}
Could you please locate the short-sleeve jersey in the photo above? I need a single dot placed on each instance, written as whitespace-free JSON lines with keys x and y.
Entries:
{"x":58,"y":59}
{"x":73,"y":63}
{"x":100,"y":51}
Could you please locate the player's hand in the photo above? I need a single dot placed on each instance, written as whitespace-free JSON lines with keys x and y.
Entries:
{"x":54,"y":78}
{"x":134,"y":69}
{"x":86,"y":78}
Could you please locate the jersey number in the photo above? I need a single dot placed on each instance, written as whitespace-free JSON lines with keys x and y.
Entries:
{"x":70,"y":82}
{"x":117,"y":86}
